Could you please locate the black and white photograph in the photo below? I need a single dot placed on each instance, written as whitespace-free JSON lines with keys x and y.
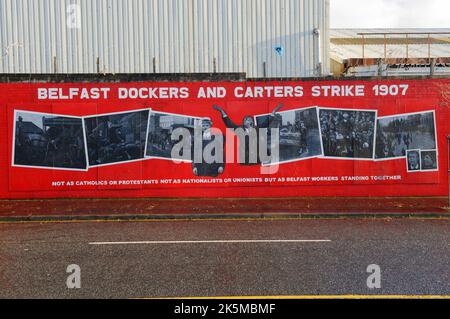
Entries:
{"x":413,"y":160}
{"x":48,"y":141}
{"x":348,"y":134}
{"x":399,"y":133}
{"x":160,"y":129}
{"x":117,"y":137}
{"x":299,"y":134}
{"x":209,"y":135}
{"x":428,"y":159}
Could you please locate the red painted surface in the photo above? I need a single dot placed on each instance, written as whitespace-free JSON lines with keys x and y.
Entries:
{"x":422,"y":95}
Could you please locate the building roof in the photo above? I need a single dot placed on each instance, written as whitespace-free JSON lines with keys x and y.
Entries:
{"x":61,"y":121}
{"x":421,"y":43}
{"x":31,"y":128}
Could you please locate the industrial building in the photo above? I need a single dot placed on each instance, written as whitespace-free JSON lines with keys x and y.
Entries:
{"x":390,"y":52}
{"x":260,"y":38}
{"x":252,"y":38}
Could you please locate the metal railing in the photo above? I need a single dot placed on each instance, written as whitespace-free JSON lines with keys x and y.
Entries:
{"x":406,"y":37}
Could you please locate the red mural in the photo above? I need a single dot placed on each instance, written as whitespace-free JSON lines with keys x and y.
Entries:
{"x":334,"y":138}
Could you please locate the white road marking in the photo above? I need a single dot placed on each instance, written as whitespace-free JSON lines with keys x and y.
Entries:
{"x":207,"y":242}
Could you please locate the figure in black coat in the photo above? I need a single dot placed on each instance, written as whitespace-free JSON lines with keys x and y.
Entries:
{"x":203,"y":168}
{"x":248,"y":125}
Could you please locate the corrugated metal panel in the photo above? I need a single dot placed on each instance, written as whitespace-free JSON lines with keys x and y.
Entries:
{"x":164,"y":36}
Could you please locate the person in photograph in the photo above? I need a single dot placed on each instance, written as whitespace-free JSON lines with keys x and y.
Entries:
{"x":22,"y":142}
{"x":53,"y":137}
{"x":207,"y":137}
{"x":429,"y":160}
{"x":21,"y":137}
{"x":114,"y":132}
{"x":117,"y":144}
{"x":76,"y":147}
{"x":303,"y":131}
{"x":112,"y":145}
{"x":248,"y":124}
{"x":413,"y":161}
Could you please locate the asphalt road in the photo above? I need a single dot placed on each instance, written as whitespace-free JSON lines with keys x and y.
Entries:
{"x":225,"y":258}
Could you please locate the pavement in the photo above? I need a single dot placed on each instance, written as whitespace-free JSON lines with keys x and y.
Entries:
{"x":135,"y":209}
{"x":226,"y":258}
{"x":214,"y":248}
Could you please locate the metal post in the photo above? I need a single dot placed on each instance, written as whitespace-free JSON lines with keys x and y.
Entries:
{"x":380,"y":67}
{"x":407,"y":48}
{"x":318,"y":51}
{"x":319,"y":69}
{"x":432,"y":66}
{"x":363,"y":50}
{"x":55,"y":66}
{"x":448,"y":167}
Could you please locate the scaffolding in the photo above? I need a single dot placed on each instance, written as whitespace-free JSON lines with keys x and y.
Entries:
{"x":406,"y":38}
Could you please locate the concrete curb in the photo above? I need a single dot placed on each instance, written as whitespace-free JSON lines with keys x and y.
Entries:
{"x":234,"y":216}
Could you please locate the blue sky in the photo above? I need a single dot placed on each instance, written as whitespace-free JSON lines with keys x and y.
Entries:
{"x":390,"y":13}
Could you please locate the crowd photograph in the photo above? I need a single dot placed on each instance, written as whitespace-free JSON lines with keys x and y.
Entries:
{"x":347,"y":133}
{"x":397,"y":134}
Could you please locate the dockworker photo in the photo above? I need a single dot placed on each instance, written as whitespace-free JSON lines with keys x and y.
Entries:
{"x":428,"y":160}
{"x":251,"y":129}
{"x":208,"y":136}
{"x":413,"y":160}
